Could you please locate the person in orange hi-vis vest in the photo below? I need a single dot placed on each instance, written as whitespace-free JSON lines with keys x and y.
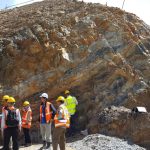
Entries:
{"x":47,"y":113}
{"x":26,"y":122}
{"x":61,"y":121}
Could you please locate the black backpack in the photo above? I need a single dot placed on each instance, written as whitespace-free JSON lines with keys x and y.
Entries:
{"x":11,"y":119}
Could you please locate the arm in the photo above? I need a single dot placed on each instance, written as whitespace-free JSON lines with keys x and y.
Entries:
{"x":3,"y":121}
{"x":53,"y":110}
{"x":75,"y":100}
{"x":29,"y":117}
{"x":60,"y":114}
{"x":19,"y":118}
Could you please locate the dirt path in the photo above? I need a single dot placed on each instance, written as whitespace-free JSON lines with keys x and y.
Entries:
{"x":37,"y":146}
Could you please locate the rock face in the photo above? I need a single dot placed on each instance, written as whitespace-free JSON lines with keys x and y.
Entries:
{"x":123,"y":123}
{"x":101,"y":54}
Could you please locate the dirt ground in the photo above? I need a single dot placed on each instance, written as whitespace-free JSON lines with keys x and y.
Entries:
{"x":37,"y":147}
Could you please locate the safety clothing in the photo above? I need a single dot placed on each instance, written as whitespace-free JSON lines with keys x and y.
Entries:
{"x":64,"y":121}
{"x":45,"y":95}
{"x":67,"y":92}
{"x":60,"y":98}
{"x":5,"y":97}
{"x":11,"y":100}
{"x":26,"y":103}
{"x":48,"y":112}
{"x":26,"y":118}
{"x":71,"y":103}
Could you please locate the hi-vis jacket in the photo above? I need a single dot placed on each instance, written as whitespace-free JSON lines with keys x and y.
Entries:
{"x":71,"y":103}
{"x":26,"y":118}
{"x":4,"y":116}
{"x":62,"y":117}
{"x":48,"y":112}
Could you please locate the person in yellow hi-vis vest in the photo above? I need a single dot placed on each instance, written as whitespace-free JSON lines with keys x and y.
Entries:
{"x":71,"y":103}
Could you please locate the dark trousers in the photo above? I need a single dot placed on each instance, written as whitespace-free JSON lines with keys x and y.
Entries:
{"x":58,"y":138}
{"x":8,"y":133}
{"x":72,"y":130}
{"x":27,"y":137}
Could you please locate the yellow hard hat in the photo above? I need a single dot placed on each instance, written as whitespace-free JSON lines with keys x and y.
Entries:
{"x":5,"y":97}
{"x":67,"y":92}
{"x":11,"y":100}
{"x":60,"y":98}
{"x":26,"y":103}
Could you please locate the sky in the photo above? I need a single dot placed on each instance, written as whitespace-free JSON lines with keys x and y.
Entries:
{"x":139,"y":7}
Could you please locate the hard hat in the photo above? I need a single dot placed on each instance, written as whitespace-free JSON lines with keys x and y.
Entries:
{"x":11,"y":100}
{"x":26,"y":103}
{"x":5,"y":97}
{"x":60,"y":98}
{"x":67,"y":92}
{"x":45,"y":95}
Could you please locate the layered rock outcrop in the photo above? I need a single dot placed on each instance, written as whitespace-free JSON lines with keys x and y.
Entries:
{"x":101,"y":54}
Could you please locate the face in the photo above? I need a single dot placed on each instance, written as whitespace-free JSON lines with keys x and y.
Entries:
{"x":10,"y":104}
{"x":66,"y":95}
{"x":26,"y":107}
{"x":58,"y":103}
{"x":4,"y":102}
{"x":43,"y":100}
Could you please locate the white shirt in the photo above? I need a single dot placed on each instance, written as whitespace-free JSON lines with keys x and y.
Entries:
{"x":3,"y":118}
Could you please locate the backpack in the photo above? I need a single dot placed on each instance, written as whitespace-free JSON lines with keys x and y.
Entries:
{"x":11,"y":120}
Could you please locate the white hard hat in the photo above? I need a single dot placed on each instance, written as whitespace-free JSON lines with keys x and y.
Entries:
{"x":45,"y":95}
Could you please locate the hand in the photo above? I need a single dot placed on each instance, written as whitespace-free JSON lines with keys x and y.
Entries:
{"x":2,"y":132}
{"x":20,"y":128}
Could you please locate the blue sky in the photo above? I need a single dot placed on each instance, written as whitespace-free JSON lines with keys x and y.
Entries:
{"x":139,"y":7}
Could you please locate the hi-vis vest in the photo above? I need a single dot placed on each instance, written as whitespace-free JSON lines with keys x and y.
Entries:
{"x":25,"y":122}
{"x":65,"y":120}
{"x":48,"y":113}
{"x":70,"y":103}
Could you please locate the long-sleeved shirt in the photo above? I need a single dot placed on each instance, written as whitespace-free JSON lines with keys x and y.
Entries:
{"x":3,"y":121}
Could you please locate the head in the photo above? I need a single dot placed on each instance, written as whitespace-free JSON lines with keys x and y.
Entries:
{"x":44,"y":97}
{"x":67,"y":93}
{"x":60,"y":100}
{"x":26,"y":104}
{"x":4,"y":100}
{"x":11,"y":101}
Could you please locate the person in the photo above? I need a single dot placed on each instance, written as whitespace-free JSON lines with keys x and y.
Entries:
{"x":71,"y":103}
{"x":11,"y":124}
{"x":61,"y":121}
{"x":4,"y":104}
{"x":47,"y":113}
{"x":26,"y":122}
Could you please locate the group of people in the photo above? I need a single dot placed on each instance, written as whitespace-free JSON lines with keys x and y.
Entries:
{"x":63,"y":119}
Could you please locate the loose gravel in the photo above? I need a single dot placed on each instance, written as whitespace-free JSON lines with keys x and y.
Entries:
{"x":102,"y":142}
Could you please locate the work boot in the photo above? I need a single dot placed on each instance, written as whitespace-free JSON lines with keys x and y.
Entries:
{"x":44,"y":145}
{"x":48,"y":146}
